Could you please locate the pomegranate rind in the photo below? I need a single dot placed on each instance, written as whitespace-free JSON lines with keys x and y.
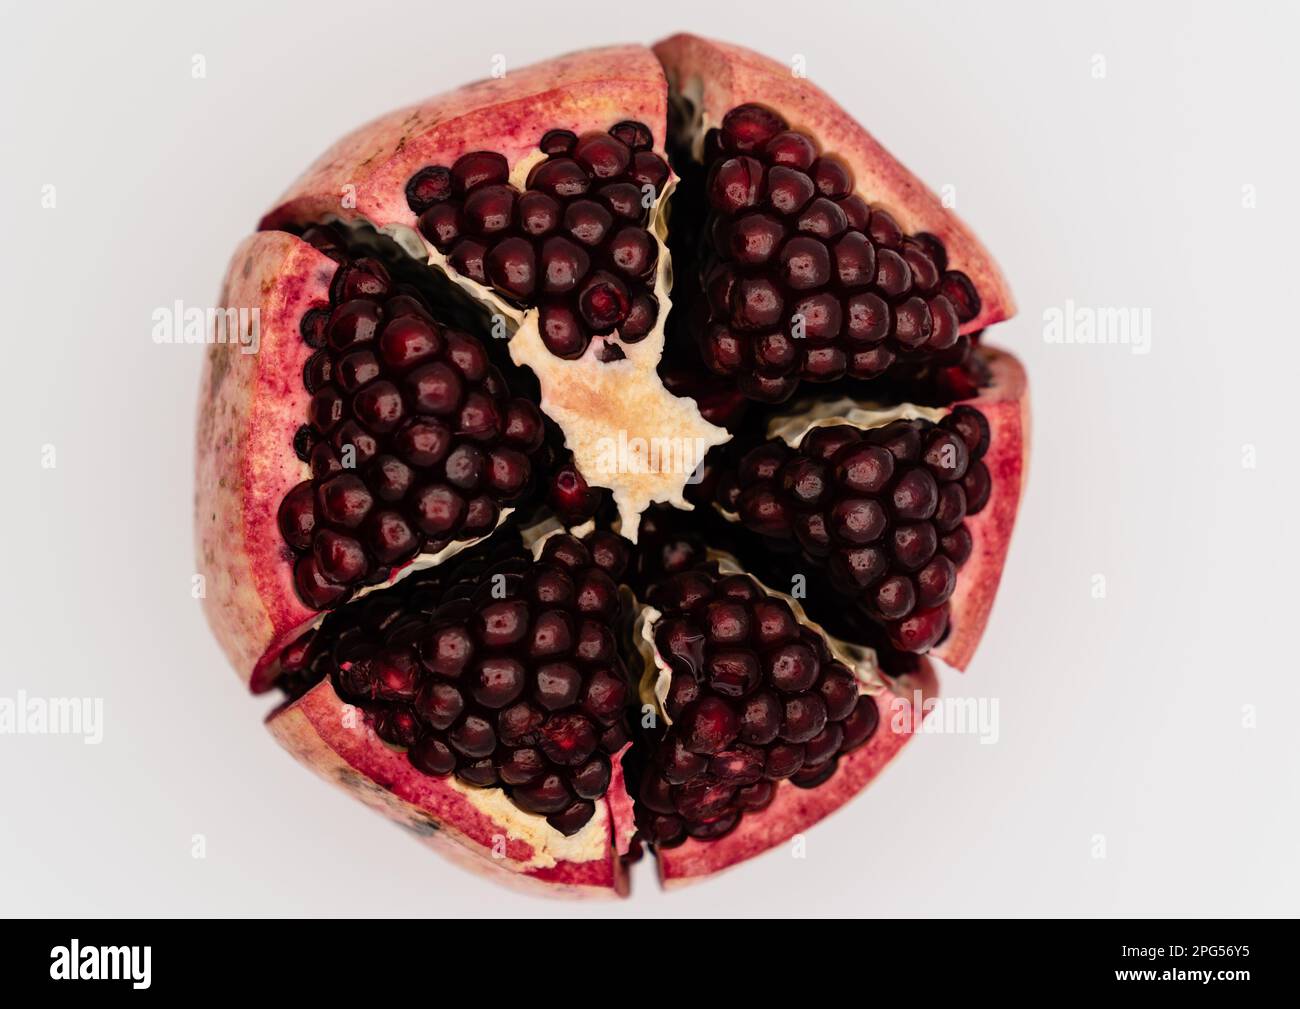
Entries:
{"x":793,"y":810}
{"x":590,"y":90}
{"x":250,"y":405}
{"x":498,"y":840}
{"x":1005,"y":404}
{"x":720,"y":76}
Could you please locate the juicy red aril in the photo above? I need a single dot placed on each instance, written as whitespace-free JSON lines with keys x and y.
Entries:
{"x":442,"y":224}
{"x":297,"y":516}
{"x":512,"y":267}
{"x":755,"y":238}
{"x":736,"y":184}
{"x":750,"y":127}
{"x":489,"y":210}
{"x":539,"y":214}
{"x":604,"y":156}
{"x":791,"y":149}
{"x":362,"y":278}
{"x":557,"y":142}
{"x":805,"y":264}
{"x":603,"y":302}
{"x":563,"y":265}
{"x":435,"y":388}
{"x":789,"y":190}
{"x":391,"y":537}
{"x":634,"y":252}
{"x":427,"y":187}
{"x":339,"y":558}
{"x":562,"y":178}
{"x":468,"y":256}
{"x":477,"y":169}
{"x":563,"y":332}
{"x":405,"y":342}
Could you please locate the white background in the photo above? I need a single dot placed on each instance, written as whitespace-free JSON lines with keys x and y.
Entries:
{"x":1126,"y":717}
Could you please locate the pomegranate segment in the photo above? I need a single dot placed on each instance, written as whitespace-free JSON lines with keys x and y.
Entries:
{"x":575,"y":242}
{"x":718,"y":77}
{"x":503,"y":670}
{"x":880,"y":510}
{"x":368,"y":481}
{"x":412,"y":439}
{"x":803,"y":279}
{"x":755,"y":698}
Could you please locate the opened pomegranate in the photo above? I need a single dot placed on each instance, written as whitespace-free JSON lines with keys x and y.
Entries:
{"x":607,"y":462}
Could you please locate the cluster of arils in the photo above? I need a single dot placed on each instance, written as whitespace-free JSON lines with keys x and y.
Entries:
{"x":575,"y":243}
{"x":804,"y":280}
{"x":412,"y":437}
{"x":505,"y":672}
{"x":755,"y":698}
{"x":881,"y":509}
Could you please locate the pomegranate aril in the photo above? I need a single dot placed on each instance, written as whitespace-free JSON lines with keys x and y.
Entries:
{"x":562,"y":178}
{"x":437,"y":509}
{"x":363,"y":278}
{"x":313,"y":588}
{"x":791,"y":149}
{"x":958,"y":289}
{"x":563,"y":265}
{"x":641,"y":318}
{"x":633,"y":252}
{"x":636,"y":136}
{"x":650,"y":172}
{"x":443,"y":225}
{"x":603,"y":155}
{"x":424,"y":442}
{"x":468,"y":256}
{"x":391,"y":538}
{"x":563,"y":332}
{"x":490,"y":210}
{"x":428,"y":186}
{"x":297,"y":516}
{"x":408,"y":341}
{"x":339,"y":559}
{"x":750,"y":128}
{"x":978,"y":486}
{"x":603,"y":302}
{"x":511,"y":267}
{"x":313,"y":327}
{"x":433,"y":756}
{"x":557,"y":142}
{"x":478,"y":168}
{"x":788,"y":190}
{"x":805,"y":263}
{"x":624,"y":199}
{"x":736,"y":184}
{"x":573,"y":818}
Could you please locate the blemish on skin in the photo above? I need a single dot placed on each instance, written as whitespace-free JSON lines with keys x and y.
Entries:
{"x":421,"y":828}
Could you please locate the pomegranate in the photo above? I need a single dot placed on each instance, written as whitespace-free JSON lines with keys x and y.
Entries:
{"x":598,"y":362}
